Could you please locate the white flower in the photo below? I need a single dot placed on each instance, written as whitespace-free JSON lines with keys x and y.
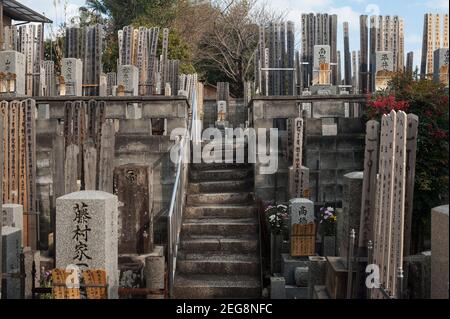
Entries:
{"x":330,"y":209}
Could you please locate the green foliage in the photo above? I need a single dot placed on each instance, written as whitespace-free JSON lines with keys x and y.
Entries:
{"x":429,"y":101}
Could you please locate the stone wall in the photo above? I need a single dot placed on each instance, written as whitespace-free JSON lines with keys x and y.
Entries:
{"x":134,"y":143}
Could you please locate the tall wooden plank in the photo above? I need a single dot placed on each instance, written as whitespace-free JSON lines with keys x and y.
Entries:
{"x":388,"y":202}
{"x":398,"y":208}
{"x":377,"y":251}
{"x":411,"y":148}
{"x":33,"y":222}
{"x":106,"y":160}
{"x":13,"y":151}
{"x":369,"y":186}
{"x":4,"y":110}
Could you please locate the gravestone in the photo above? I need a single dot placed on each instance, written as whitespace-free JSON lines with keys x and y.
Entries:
{"x":133,"y":185}
{"x":383,"y":69}
{"x":87,"y":234}
{"x":72,"y":72}
{"x":128,"y":76}
{"x":302,"y":227}
{"x":439,"y":252}
{"x":13,"y":216}
{"x":12,"y":65}
{"x":351,"y":210}
{"x":11,"y":248}
{"x":301,"y":211}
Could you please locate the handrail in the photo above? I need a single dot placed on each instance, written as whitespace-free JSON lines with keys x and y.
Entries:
{"x":177,"y":202}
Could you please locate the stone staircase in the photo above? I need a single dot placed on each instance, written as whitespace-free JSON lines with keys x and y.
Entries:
{"x":219,"y":246}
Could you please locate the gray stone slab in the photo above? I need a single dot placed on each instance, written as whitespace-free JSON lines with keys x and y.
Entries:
{"x":155,"y":271}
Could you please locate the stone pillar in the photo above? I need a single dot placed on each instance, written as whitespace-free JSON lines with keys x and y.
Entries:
{"x":72,"y":73}
{"x":11,"y":246}
{"x":351,"y":210}
{"x":133,"y":184}
{"x":439,"y":252}
{"x":301,"y":222}
{"x":87,"y":234}
{"x":317,"y":273}
{"x":155,"y":271}
{"x":12,"y":65}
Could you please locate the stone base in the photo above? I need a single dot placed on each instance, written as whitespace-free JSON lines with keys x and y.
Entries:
{"x":277,"y":288}
{"x":288,"y":265}
{"x":294,"y":292}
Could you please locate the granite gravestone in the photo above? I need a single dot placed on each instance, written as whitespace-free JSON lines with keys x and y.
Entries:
{"x":87,"y":234}
{"x":72,"y":72}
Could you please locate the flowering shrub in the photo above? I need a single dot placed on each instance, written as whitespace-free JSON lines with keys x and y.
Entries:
{"x":384,"y":104}
{"x":277,"y":218}
{"x":327,"y":221}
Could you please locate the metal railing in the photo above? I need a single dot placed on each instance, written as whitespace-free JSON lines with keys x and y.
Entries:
{"x":177,"y":203}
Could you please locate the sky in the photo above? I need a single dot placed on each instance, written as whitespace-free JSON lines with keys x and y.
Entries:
{"x":411,"y":11}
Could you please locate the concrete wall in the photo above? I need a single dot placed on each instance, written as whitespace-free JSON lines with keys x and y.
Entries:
{"x":134,"y":143}
{"x":329,"y":158}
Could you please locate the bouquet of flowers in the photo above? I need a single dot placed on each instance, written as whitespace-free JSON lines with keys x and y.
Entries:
{"x":327,"y":221}
{"x":277,"y":218}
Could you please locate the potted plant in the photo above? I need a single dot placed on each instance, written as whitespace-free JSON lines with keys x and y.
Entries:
{"x":327,"y":229}
{"x":277,"y":218}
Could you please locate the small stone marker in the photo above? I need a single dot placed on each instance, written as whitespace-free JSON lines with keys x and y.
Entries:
{"x":128,"y":77}
{"x":302,"y":227}
{"x":13,"y":69}
{"x":87,"y":234}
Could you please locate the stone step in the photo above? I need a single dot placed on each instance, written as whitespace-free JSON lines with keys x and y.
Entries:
{"x":219,"y":166}
{"x":220,"y":175}
{"x":219,"y":198}
{"x":216,"y":286}
{"x":217,"y":263}
{"x":221,"y":186}
{"x":218,"y":226}
{"x":241,"y":244}
{"x":220,"y":211}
